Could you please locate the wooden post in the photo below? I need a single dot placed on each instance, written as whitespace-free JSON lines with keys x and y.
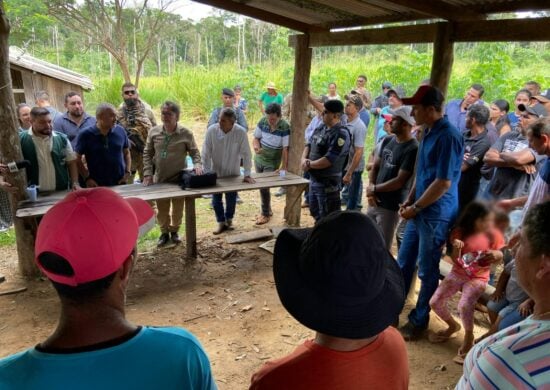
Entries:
{"x":190,"y":228}
{"x":442,"y":61}
{"x":302,"y":70}
{"x":10,"y":150}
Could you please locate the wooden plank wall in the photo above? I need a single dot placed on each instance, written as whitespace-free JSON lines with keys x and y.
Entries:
{"x":57,"y":89}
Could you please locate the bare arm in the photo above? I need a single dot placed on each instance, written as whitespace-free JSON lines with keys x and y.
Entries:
{"x":394,"y":184}
{"x":81,"y":167}
{"x":354,"y":164}
{"x":256,"y":145}
{"x":73,"y":172}
{"x":522,"y":157}
{"x":436,"y":190}
{"x":284,"y":164}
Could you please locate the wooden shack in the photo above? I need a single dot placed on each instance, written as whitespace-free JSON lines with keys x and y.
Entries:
{"x":30,"y":74}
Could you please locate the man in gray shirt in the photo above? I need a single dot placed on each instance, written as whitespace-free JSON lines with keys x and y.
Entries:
{"x":225,"y":143}
{"x":514,"y":161}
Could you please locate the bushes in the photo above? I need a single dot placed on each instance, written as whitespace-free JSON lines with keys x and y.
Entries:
{"x":500,"y":68}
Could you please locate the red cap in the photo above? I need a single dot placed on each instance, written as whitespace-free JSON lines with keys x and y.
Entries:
{"x":95,"y":230}
{"x":387,"y":117}
{"x":425,"y":95}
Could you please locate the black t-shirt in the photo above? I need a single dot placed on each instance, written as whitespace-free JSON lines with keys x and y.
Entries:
{"x":334,"y":144}
{"x":475,"y":147}
{"x":395,"y":156}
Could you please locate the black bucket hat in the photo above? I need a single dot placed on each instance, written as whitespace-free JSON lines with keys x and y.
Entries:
{"x":338,"y":278}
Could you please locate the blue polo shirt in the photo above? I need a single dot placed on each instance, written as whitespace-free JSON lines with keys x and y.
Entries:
{"x":455,"y":116}
{"x":104,"y":154}
{"x":64,"y":124}
{"x":440,"y":157}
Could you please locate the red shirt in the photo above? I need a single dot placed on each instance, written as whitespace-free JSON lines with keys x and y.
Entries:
{"x":382,"y":364}
{"x":474,"y":243}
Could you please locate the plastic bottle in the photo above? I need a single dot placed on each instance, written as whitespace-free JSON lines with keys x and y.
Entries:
{"x":189,"y":162}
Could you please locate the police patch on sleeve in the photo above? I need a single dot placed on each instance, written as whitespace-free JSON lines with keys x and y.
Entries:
{"x":341,"y":141}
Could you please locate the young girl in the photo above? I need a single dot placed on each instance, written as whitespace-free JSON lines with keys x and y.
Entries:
{"x":475,"y":245}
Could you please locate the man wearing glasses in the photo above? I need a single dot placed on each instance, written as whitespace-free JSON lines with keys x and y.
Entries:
{"x":324,"y":157}
{"x":132,"y":115}
{"x":514,"y":160}
{"x":105,"y":148}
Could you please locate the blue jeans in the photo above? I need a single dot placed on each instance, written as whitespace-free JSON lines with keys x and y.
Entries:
{"x":306,"y":192}
{"x":230,"y":203}
{"x":324,"y":198}
{"x":355,"y":191}
{"x":422,"y":243}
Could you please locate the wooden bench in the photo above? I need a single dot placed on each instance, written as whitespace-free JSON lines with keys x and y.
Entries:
{"x":31,"y":211}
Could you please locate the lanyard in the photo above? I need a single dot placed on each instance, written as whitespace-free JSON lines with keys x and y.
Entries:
{"x":167,"y":138}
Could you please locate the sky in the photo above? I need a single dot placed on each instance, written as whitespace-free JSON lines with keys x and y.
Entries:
{"x":191,"y":10}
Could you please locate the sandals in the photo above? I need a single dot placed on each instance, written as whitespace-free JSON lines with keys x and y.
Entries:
{"x":459,"y":358}
{"x":262,"y":219}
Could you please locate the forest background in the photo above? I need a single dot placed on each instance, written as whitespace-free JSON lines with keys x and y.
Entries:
{"x":191,"y":61}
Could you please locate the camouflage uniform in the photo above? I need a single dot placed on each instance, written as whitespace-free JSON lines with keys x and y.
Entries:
{"x":137,"y":125}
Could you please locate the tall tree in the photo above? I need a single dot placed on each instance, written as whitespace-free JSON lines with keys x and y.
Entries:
{"x":107,"y":22}
{"x":9,"y":146}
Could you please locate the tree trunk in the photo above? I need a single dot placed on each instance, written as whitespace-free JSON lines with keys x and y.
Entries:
{"x":10,"y":150}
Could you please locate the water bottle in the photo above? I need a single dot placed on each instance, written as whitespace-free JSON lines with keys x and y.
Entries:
{"x":189,"y":162}
{"x":242,"y":171}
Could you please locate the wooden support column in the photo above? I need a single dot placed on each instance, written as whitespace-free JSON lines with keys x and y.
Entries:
{"x":10,"y":150}
{"x":443,"y":57}
{"x":190,"y":228}
{"x":302,"y":70}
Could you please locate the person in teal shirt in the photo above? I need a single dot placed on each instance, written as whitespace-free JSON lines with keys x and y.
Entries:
{"x":86,"y":246}
{"x":270,"y":96}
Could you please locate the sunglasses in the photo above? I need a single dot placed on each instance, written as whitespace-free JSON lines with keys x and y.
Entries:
{"x":526,"y":116}
{"x":129,"y":92}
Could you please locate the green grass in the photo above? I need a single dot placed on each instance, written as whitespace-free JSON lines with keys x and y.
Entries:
{"x":7,"y":238}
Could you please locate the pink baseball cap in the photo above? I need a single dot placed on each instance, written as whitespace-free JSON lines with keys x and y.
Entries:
{"x":95,"y":230}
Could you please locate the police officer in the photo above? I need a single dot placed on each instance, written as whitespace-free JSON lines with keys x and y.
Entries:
{"x":324,"y":158}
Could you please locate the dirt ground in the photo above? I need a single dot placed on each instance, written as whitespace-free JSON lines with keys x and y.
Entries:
{"x":227,"y":298}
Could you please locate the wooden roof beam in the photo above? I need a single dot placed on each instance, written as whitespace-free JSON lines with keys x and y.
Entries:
{"x":256,"y":13}
{"x":512,"y":6}
{"x":439,"y":9}
{"x":420,"y":33}
{"x":502,"y":30}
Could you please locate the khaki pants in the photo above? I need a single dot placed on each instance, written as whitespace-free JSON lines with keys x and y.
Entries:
{"x":169,"y":221}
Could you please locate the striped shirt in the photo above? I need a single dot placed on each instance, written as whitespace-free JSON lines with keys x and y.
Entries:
{"x":517,"y":357}
{"x":272,"y":141}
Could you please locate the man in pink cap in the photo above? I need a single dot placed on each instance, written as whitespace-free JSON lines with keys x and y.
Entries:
{"x":86,"y":246}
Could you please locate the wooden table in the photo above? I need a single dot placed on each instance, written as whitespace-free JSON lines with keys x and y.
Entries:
{"x":32,"y":210}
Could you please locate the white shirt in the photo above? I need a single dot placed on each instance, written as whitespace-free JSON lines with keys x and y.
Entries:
{"x":222,"y":152}
{"x":46,"y":169}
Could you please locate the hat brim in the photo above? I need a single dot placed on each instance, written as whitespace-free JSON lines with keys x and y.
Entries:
{"x":352,"y":319}
{"x":144,"y":213}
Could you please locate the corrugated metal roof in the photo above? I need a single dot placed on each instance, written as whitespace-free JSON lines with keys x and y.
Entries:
{"x":318,"y":15}
{"x":20,"y":58}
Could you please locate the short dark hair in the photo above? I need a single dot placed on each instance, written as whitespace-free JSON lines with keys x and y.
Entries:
{"x":273,"y":108}
{"x":524,"y":91}
{"x":479,"y":88}
{"x":541,"y":126}
{"x":229,"y":113}
{"x":480,"y":113}
{"x":502,"y":105}
{"x":69,"y":95}
{"x":42,"y":95}
{"x":362,"y":76}
{"x":534,"y":84}
{"x":536,"y":224}
{"x":127,"y":85}
{"x":332,"y":83}
{"x":103,"y":107}
{"x":172,"y":106}
{"x":82,"y":293}
{"x":39,"y":111}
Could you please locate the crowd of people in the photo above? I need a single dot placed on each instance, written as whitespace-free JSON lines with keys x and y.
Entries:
{"x":466,"y":181}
